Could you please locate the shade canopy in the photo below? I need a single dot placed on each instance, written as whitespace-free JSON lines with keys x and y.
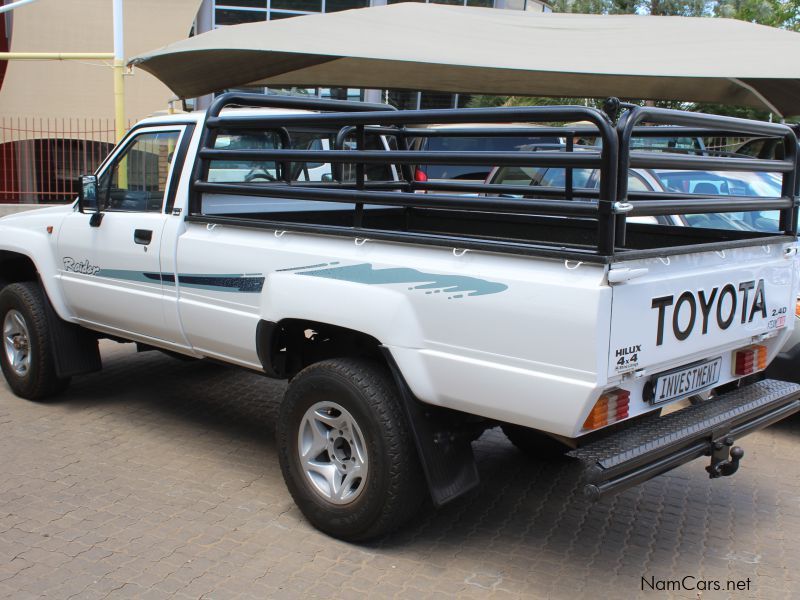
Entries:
{"x":480,"y":50}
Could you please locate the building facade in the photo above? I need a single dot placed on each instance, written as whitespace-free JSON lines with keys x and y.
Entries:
{"x":57,"y":117}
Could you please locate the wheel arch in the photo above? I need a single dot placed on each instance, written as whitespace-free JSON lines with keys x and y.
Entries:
{"x":28,"y":255}
{"x":16,"y":267}
{"x":287,"y":346}
{"x":442,"y":436}
{"x":74,"y":349}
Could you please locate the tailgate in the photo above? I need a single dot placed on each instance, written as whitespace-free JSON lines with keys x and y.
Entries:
{"x":683,"y":308}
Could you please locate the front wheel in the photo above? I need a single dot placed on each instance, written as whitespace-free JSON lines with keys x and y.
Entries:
{"x":346,"y":451}
{"x":26,"y":356}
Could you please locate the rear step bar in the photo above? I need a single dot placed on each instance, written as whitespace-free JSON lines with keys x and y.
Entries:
{"x":656,"y":445}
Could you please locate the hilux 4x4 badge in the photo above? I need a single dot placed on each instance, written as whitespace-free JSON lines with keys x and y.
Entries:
{"x":83,"y":266}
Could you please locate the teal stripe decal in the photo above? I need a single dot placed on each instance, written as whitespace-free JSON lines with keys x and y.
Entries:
{"x":138,"y":276}
{"x":246,"y":284}
{"x":433,"y":283}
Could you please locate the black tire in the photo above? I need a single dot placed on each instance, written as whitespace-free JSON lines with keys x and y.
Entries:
{"x":39,"y":382}
{"x":534,"y":443}
{"x":393,"y":488}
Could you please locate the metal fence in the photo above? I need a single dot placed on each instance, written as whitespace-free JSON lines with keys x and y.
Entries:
{"x":40,"y":159}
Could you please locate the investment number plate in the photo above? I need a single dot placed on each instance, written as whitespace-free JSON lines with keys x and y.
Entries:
{"x":686,"y":380}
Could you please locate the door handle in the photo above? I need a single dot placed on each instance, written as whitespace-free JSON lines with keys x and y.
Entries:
{"x":143,"y":236}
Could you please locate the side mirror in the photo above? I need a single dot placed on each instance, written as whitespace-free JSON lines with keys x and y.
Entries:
{"x":88,"y":198}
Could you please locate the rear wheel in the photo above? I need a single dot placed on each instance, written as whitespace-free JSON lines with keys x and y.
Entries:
{"x":346,"y":451}
{"x":26,"y":357}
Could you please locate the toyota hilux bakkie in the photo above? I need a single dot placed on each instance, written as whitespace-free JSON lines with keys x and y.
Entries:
{"x":288,"y":237}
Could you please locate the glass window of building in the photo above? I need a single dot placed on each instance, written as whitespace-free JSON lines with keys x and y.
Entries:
{"x":337,"y":5}
{"x":484,"y":3}
{"x":532,"y":5}
{"x":235,"y":12}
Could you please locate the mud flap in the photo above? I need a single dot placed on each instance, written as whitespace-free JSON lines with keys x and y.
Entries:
{"x":446,"y":456}
{"x":75,"y":349}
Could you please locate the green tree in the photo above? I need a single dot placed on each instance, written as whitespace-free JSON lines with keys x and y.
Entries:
{"x":775,"y":13}
{"x":688,"y":8}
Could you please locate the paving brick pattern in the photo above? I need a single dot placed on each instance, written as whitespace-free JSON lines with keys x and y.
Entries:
{"x":159,"y":478}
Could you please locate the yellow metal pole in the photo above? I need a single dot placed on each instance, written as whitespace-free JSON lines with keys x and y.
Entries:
{"x":119,"y":97}
{"x":56,"y":55}
{"x":119,"y":71}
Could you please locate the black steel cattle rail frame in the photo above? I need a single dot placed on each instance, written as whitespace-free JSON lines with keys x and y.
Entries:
{"x":608,"y":205}
{"x":712,"y":125}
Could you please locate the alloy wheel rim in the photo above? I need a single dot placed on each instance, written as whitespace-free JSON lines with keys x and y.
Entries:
{"x":16,"y":341}
{"x":332,"y":453}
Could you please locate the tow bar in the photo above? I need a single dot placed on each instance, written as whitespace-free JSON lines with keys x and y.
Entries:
{"x":724,"y":463}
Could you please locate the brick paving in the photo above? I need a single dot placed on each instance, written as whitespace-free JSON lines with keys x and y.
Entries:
{"x":158,"y":478}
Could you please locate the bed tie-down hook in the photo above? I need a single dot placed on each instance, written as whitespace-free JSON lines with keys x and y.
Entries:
{"x":720,"y":253}
{"x":211,"y":226}
{"x":665,"y":260}
{"x":361,"y":241}
{"x":459,"y":252}
{"x":279,"y":233}
{"x":571,"y":265}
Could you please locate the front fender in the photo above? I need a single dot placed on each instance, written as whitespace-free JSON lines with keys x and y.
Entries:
{"x":26,"y":234}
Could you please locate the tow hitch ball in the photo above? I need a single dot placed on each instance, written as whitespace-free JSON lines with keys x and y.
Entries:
{"x":724,"y":458}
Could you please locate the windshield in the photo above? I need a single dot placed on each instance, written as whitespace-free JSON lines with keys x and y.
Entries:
{"x":715,"y":183}
{"x":690,"y":145}
{"x":542,"y":176}
{"x":477,"y":144}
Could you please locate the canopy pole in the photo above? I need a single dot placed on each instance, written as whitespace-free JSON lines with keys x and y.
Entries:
{"x":757,"y":94}
{"x":56,"y":55}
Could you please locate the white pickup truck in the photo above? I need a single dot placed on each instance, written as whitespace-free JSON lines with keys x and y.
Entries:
{"x":408,"y":323}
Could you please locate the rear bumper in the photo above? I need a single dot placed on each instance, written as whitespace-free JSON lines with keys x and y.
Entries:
{"x":656,"y":444}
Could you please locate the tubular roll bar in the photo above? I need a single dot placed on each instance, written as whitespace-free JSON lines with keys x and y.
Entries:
{"x":607,"y":205}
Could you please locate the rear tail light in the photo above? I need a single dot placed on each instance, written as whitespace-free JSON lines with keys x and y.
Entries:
{"x":609,"y":408}
{"x":749,"y":360}
{"x":419,"y":175}
{"x":797,"y":308}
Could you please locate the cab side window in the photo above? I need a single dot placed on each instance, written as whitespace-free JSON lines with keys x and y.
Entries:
{"x":137,"y":180}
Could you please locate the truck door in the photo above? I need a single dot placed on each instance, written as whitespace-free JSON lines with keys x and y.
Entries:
{"x":111,"y":274}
